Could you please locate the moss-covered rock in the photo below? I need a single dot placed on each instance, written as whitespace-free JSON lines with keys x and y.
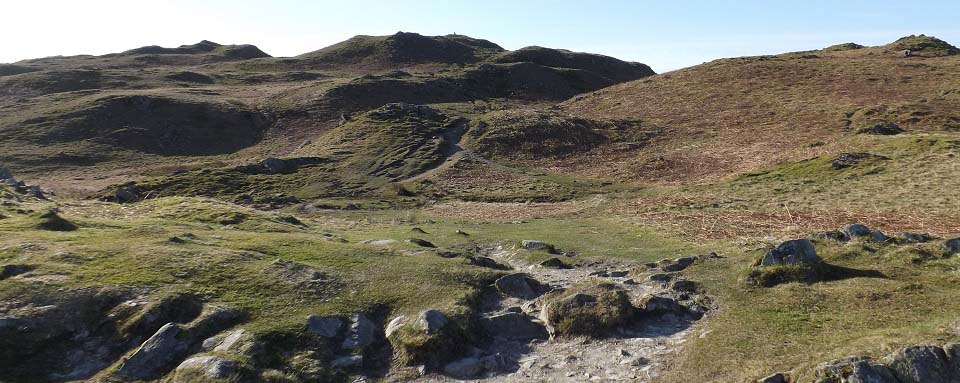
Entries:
{"x":587,"y":310}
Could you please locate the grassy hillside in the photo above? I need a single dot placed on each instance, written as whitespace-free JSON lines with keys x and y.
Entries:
{"x":218,"y":189}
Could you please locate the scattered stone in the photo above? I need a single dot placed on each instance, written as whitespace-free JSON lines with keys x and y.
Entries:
{"x":655,"y":304}
{"x":418,"y":230}
{"x":421,"y":242}
{"x":463,"y":233}
{"x":5,"y":173}
{"x":682,"y":285}
{"x":7,"y":271}
{"x":327,"y":327}
{"x":530,"y":244}
{"x":796,"y":252}
{"x":555,"y":263}
{"x":847,"y":160}
{"x":347,"y":362}
{"x":213,"y":367}
{"x":885,"y":128}
{"x":775,"y":378}
{"x":513,"y":326}
{"x":487,"y":262}
{"x":273,"y":165}
{"x":639,"y":361}
{"x":360,"y":334}
{"x":678,"y":264}
{"x":630,"y":282}
{"x":835,"y":235}
{"x":906,"y":237}
{"x":855,"y":231}
{"x":520,"y":286}
{"x":619,"y":274}
{"x":156,"y":355}
{"x":661,"y":277}
{"x":128,"y":192}
{"x":878,"y":236}
{"x":431,"y":321}
{"x":465,"y":368}
{"x":952,"y":246}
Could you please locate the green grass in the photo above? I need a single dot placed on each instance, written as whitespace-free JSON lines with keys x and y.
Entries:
{"x":793,"y":327}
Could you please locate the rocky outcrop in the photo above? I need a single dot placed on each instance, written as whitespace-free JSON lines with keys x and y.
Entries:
{"x":211,"y":367}
{"x":158,"y":354}
{"x":520,"y":286}
{"x":915,"y":364}
{"x":798,"y":252}
{"x":591,"y":310}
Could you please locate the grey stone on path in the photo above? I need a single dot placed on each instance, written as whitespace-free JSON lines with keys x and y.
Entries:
{"x":360,"y":334}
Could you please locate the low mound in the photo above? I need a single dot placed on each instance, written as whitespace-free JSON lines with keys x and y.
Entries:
{"x":843,"y":47}
{"x":528,"y":134}
{"x":389,"y":143}
{"x":926,"y":46}
{"x":406,"y":48}
{"x":152,"y":124}
{"x":231,"y":52}
{"x":10,"y":69}
{"x":608,"y":67}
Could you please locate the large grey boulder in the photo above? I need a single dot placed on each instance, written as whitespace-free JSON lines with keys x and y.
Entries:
{"x":465,"y":368}
{"x":327,"y":327}
{"x":920,"y":364}
{"x":156,"y":355}
{"x":798,"y":252}
{"x":431,"y":321}
{"x":878,"y":236}
{"x":129,"y":192}
{"x":519,"y":286}
{"x":952,"y":246}
{"x":530,"y":244}
{"x":513,"y":326}
{"x":361,"y":332}
{"x":213,"y":367}
{"x":855,"y":231}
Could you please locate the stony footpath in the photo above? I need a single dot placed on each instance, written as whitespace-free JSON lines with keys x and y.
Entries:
{"x":521,"y":344}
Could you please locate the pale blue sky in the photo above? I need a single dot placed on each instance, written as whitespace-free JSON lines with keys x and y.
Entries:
{"x":664,"y":34}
